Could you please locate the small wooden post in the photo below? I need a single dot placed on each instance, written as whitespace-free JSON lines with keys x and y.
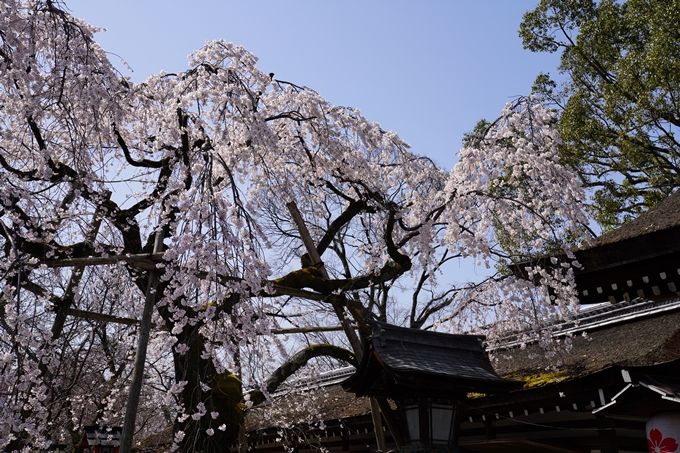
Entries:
{"x":242,"y":439}
{"x":377,"y":424}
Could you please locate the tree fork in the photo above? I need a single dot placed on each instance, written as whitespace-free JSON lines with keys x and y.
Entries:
{"x":76,"y":275}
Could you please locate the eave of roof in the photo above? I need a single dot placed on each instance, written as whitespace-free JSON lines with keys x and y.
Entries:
{"x":589,"y":391}
{"x":397,"y":359}
{"x":635,"y":342}
{"x":664,"y":216}
{"x":639,"y":259}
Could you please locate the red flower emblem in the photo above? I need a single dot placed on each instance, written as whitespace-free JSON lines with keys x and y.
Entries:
{"x":657,"y":445}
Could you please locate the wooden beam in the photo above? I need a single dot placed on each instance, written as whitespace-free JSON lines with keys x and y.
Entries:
{"x":101,"y":317}
{"x":377,"y":424}
{"x":148,"y":261}
{"x":311,"y":295}
{"x":144,"y":261}
{"x":316,"y":261}
{"x":340,"y":312}
{"x":96,"y":316}
{"x":309,"y":329}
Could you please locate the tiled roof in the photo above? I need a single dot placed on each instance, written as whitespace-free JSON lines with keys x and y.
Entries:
{"x":438,"y":354}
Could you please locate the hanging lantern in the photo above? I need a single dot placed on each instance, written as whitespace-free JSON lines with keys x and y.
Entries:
{"x":663,"y":433}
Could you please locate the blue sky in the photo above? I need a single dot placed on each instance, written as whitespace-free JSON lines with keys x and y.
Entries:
{"x":428,"y":70}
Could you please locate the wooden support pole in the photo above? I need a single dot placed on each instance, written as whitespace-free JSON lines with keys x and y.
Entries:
{"x":143,"y":261}
{"x":377,"y":424}
{"x":489,"y":428}
{"x":140,"y":356}
{"x":310,"y":329}
{"x":391,"y":423}
{"x":316,"y":261}
{"x":94,"y":316}
{"x":242,"y":439}
{"x":340,"y":312}
{"x":606,"y":434}
{"x":457,"y":419}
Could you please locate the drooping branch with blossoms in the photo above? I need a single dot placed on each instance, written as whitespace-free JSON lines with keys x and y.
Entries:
{"x":90,"y":161}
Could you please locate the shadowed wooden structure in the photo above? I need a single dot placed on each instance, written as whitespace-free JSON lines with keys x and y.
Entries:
{"x":101,"y":440}
{"x":640,"y":259}
{"x":566,"y":410}
{"x":418,"y":363}
{"x":428,"y":375}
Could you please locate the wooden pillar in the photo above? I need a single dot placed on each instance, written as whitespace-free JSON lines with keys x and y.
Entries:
{"x":378,"y":426}
{"x":242,"y":439}
{"x":316,"y":261}
{"x":457,"y":421}
{"x":140,"y":356}
{"x":490,"y":428}
{"x":345,"y":440}
{"x":606,"y":435}
{"x":391,"y":423}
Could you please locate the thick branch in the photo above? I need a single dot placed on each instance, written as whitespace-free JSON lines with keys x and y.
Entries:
{"x":402,"y":261}
{"x":311,"y":329}
{"x":143,"y":261}
{"x":296,"y":362}
{"x":22,"y":174}
{"x":354,"y":208}
{"x":289,"y":285}
{"x":101,"y":317}
{"x":128,"y":157}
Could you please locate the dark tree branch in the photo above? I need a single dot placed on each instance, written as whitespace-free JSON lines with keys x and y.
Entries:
{"x":296,"y":362}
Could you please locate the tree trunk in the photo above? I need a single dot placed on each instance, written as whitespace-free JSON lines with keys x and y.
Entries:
{"x":217,"y":396}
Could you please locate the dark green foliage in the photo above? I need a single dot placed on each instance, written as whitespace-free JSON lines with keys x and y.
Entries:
{"x":619,"y":107}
